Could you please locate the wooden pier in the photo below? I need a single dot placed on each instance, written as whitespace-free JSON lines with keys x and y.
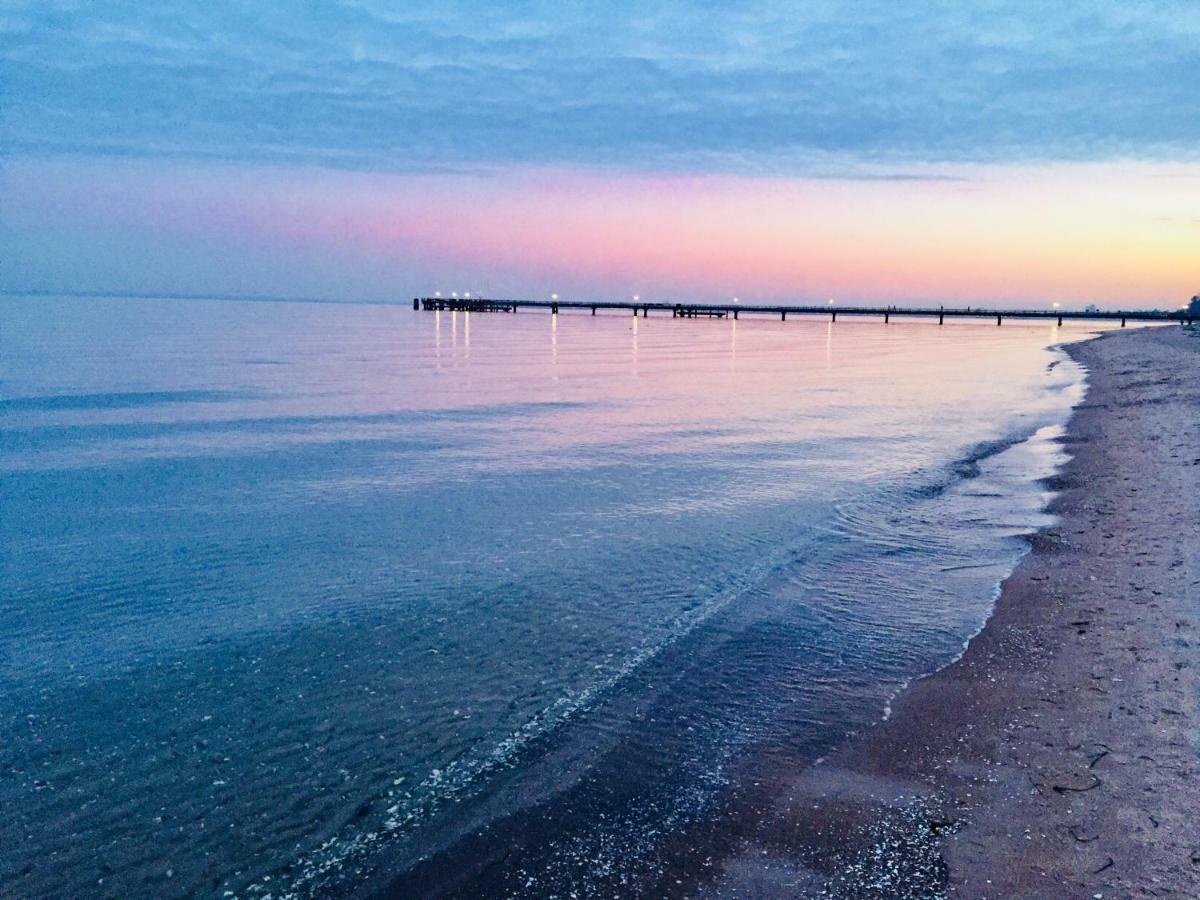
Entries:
{"x":733,"y":310}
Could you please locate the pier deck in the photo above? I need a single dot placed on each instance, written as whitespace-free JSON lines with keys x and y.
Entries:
{"x":733,"y":310}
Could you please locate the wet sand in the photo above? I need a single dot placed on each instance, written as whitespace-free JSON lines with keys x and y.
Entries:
{"x":1058,"y":756}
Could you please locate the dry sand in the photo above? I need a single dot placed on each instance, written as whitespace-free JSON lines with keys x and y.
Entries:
{"x":1058,"y":757}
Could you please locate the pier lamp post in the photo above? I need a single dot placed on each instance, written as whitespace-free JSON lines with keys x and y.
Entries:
{"x":467,"y":295}
{"x":554,"y":296}
{"x":437,"y":293}
{"x":454,"y":294}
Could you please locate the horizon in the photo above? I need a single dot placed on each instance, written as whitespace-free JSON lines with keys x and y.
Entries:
{"x":574,"y":303}
{"x":873,"y":155}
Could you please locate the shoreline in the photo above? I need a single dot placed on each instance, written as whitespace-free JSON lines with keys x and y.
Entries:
{"x":1053,"y":758}
{"x":1058,"y":755}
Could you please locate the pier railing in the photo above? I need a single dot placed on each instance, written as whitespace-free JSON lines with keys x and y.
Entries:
{"x":734,"y":310}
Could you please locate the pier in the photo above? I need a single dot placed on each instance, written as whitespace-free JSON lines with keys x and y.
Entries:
{"x":734,"y":310}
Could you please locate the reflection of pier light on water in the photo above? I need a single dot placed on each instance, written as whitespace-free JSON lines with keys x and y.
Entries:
{"x":829,"y":344}
{"x":467,"y":333}
{"x":634,"y":345}
{"x":733,"y":324}
{"x":437,"y":337}
{"x":453,"y":328}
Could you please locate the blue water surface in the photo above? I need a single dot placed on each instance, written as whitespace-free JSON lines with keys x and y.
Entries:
{"x":298,"y":597}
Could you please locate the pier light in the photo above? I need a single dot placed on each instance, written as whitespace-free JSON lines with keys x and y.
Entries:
{"x":437,"y":293}
{"x":467,"y":295}
{"x":554,"y":296}
{"x":831,"y":303}
{"x":1057,"y":305}
{"x":454,"y":293}
{"x":736,"y":300}
{"x":636,"y":297}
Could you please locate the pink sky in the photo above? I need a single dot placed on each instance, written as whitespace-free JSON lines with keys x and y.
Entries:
{"x":1113,"y":233}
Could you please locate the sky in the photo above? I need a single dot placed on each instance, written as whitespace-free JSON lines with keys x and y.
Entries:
{"x":1015,"y":153}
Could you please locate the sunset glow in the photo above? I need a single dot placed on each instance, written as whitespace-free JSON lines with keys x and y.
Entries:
{"x":1010,"y":235}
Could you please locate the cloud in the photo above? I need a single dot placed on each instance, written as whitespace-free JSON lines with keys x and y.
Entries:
{"x":841,"y":89}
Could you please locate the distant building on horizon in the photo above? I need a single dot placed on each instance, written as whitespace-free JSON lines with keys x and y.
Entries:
{"x":1091,"y":307}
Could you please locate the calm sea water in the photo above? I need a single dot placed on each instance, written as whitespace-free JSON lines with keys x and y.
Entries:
{"x":301,"y":599}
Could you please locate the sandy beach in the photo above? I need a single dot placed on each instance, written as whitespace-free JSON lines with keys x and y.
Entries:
{"x":1058,"y":756}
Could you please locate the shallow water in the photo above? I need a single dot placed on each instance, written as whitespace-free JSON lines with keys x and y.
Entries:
{"x":296,"y":595}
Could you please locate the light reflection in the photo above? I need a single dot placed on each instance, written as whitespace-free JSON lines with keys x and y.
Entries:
{"x":634,"y":349}
{"x":733,"y":323}
{"x":437,"y":338}
{"x":467,"y":334}
{"x":690,"y":381}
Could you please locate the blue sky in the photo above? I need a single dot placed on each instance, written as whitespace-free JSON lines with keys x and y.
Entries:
{"x":792,"y":88}
{"x":825,"y":90}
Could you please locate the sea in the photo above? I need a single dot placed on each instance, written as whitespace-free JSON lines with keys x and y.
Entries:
{"x":308,"y":599}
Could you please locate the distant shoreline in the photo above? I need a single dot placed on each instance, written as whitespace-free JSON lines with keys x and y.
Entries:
{"x":1057,"y":756}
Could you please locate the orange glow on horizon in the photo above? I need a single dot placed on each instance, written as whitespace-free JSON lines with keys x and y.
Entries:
{"x":1070,"y":232}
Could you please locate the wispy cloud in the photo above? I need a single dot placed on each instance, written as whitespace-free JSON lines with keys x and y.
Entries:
{"x":841,"y":89}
